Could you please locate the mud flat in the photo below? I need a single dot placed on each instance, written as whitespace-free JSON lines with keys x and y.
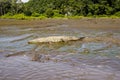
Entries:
{"x":80,"y":23}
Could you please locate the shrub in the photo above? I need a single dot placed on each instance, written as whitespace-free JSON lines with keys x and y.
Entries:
{"x":28,"y":13}
{"x":19,"y":16}
{"x":35,"y":14}
{"x":49,"y":12}
{"x":117,"y":14}
{"x":57,"y":14}
{"x":8,"y":15}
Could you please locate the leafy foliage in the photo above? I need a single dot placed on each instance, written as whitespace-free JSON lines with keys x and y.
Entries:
{"x":59,"y":8}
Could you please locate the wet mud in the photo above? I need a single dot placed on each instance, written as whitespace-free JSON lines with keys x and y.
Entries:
{"x":96,"y":57}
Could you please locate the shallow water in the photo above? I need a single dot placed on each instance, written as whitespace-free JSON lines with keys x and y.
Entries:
{"x":78,"y":60}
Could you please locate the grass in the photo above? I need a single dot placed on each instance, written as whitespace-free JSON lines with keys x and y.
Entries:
{"x":23,"y":17}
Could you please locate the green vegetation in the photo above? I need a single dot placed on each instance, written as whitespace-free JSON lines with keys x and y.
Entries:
{"x":40,"y":9}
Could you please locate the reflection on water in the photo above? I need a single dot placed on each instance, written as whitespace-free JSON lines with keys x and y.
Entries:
{"x":74,"y":60}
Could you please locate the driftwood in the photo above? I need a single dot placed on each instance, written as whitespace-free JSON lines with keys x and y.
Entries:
{"x":54,"y":39}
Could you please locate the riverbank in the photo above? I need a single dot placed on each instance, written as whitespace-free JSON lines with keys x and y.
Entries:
{"x":93,"y":23}
{"x":24,"y":17}
{"x":82,"y":23}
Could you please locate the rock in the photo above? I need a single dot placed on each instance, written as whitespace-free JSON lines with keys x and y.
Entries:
{"x":15,"y":53}
{"x":36,"y":57}
{"x":53,"y":39}
{"x":40,"y":57}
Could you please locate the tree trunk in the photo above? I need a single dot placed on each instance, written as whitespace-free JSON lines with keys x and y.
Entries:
{"x":1,"y":13}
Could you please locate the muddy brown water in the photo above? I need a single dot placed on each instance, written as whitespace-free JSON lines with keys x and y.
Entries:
{"x":95,"y":58}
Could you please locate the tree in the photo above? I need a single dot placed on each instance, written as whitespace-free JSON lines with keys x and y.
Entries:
{"x":5,"y":6}
{"x":73,"y":7}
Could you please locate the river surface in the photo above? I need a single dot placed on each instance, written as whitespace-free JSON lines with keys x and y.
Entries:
{"x":78,"y":60}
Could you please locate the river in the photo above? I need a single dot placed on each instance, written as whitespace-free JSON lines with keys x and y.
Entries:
{"x":91,"y":59}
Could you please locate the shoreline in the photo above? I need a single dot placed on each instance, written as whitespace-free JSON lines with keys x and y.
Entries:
{"x":23,"y":17}
{"x":92,"y":23}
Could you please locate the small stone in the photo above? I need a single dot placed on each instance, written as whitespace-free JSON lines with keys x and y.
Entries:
{"x":36,"y":57}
